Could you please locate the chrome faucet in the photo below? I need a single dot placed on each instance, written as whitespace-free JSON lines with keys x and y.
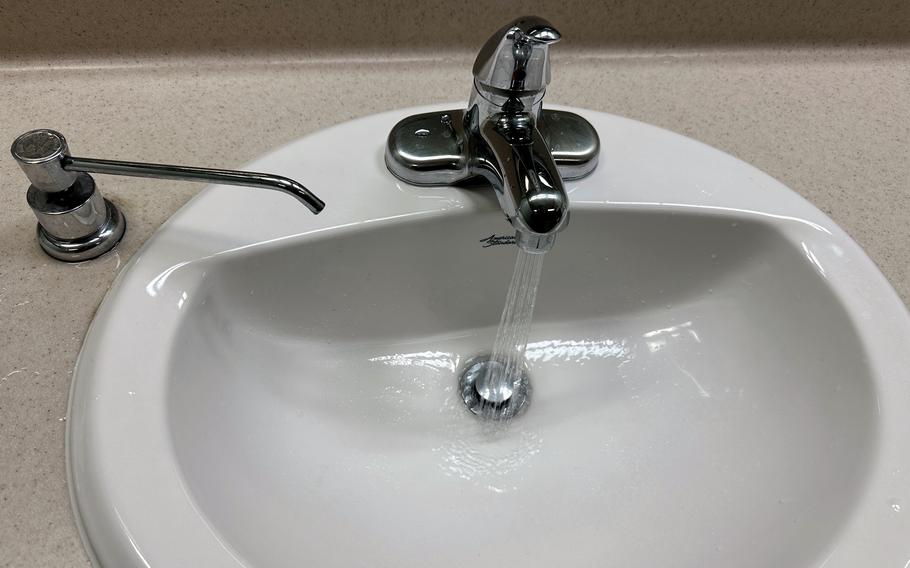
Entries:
{"x":75,"y":222}
{"x":504,"y":136}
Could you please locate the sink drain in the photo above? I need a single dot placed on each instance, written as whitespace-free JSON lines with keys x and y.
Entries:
{"x":496,"y":402}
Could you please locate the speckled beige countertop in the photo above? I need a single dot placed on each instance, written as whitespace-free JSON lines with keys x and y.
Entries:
{"x":831,"y":123}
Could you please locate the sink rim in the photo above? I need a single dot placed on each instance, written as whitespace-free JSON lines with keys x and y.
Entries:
{"x":880,"y":317}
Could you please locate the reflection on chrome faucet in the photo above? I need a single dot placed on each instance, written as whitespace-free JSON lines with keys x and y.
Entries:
{"x":504,"y":137}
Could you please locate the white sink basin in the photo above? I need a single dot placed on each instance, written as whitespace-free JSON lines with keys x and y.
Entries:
{"x":720,"y":376}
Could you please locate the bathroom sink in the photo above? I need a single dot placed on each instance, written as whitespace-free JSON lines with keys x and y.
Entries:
{"x":720,"y":376}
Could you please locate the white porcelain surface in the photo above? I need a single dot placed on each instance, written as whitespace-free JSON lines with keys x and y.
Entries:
{"x":720,"y":376}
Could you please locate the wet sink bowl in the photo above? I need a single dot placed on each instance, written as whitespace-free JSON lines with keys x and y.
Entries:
{"x":720,"y":376}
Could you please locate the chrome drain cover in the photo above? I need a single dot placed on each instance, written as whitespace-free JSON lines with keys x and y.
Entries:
{"x":485,"y":400}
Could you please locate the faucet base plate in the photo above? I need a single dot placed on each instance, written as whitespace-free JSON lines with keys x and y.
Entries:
{"x":431,"y":149}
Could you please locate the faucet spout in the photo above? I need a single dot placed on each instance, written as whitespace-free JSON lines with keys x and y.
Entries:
{"x":518,"y":164}
{"x":511,"y":74}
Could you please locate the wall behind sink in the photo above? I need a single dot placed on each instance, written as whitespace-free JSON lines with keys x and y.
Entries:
{"x":47,"y":29}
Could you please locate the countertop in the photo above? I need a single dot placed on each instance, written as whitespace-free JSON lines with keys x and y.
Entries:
{"x":833,"y":124}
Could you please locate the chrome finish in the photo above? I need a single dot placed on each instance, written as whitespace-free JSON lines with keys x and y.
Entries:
{"x":572,"y":140}
{"x":518,"y":164}
{"x":90,"y":246}
{"x":491,"y":399}
{"x":438,"y":156}
{"x":74,"y":213}
{"x":515,"y":58}
{"x":534,"y":243}
{"x":504,"y":137}
{"x":76,"y":223}
{"x":40,"y":154}
{"x":430,"y":149}
{"x":185,"y":173}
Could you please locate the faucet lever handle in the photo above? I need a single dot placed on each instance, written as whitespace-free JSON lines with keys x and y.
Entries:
{"x":516,"y":58}
{"x":537,"y":29}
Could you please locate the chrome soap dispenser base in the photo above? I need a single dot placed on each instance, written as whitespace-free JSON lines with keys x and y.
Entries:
{"x":93,"y":245}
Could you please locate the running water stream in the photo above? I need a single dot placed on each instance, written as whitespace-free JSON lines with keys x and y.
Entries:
{"x":499,"y":381}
